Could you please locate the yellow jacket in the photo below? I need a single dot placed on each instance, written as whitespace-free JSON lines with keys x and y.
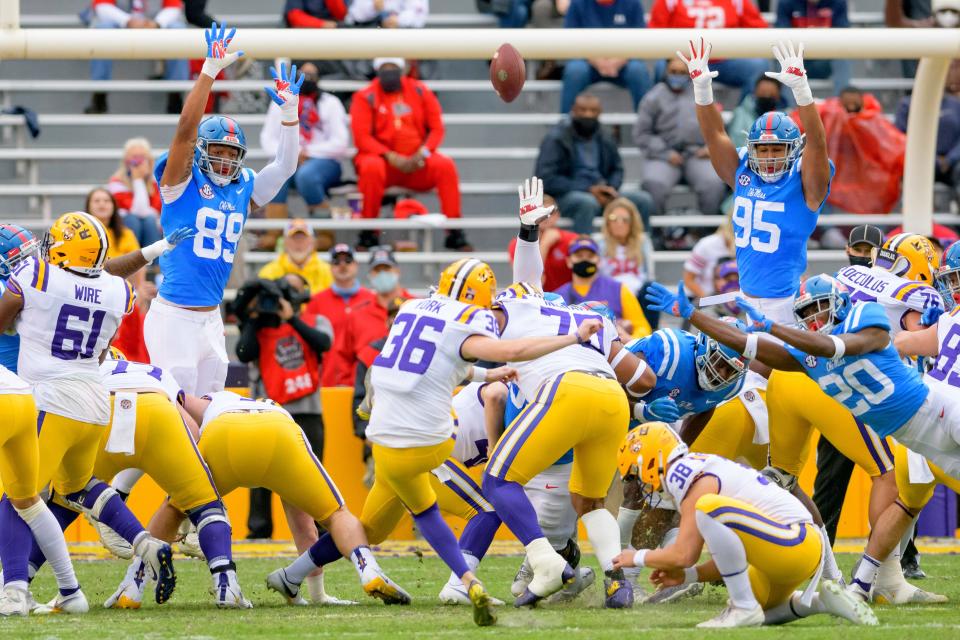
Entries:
{"x":315,"y":271}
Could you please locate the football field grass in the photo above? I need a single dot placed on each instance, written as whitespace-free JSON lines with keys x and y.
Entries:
{"x":190,"y":613}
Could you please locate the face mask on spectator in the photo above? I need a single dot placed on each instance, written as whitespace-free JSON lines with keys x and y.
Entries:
{"x":765,"y":104}
{"x":584,"y":268}
{"x":947,"y":19}
{"x":309,"y":88}
{"x":384,"y":282}
{"x":390,"y":79}
{"x":585,"y":127}
{"x":860,"y":261}
{"x":677,"y":81}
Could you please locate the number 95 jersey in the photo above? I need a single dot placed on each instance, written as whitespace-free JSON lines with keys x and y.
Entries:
{"x":195,"y":272}
{"x":420,"y":366}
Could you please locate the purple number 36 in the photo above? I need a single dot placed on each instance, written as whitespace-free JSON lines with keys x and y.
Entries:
{"x":402,"y":347}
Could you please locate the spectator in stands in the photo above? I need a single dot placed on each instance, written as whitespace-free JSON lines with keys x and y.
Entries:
{"x":588,"y":283}
{"x":324,"y":139}
{"x":580,"y":74}
{"x":196,"y":13}
{"x":548,"y":14}
{"x":397,"y":127}
{"x":581,"y":166}
{"x":921,"y":14}
{"x":626,"y":252}
{"x":136,"y":191}
{"x":554,"y":243}
{"x":715,"y":14}
{"x":389,"y":14}
{"x":108,"y":14}
{"x":315,"y":14}
{"x":766,"y":97}
{"x":818,"y":14}
{"x":299,"y":256}
{"x":511,"y":14}
{"x":335,"y":304}
{"x":671,"y":144}
{"x":947,"y":167}
{"x":700,"y":267}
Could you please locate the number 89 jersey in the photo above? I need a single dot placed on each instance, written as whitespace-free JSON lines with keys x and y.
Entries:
{"x":414,"y":376}
{"x":196,"y":272}
{"x":771,"y":225}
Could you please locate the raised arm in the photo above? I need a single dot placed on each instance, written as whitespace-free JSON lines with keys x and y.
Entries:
{"x":129,"y":263}
{"x":180,"y":157}
{"x":527,"y":260}
{"x":723,"y":155}
{"x":285,"y":94}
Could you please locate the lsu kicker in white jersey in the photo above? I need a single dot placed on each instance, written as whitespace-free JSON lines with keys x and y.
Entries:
{"x":736,"y":481}
{"x":67,"y":321}
{"x":471,"y":444}
{"x":418,"y":369}
{"x":532,"y":316}
{"x":222,"y":402}
{"x":10,"y":383}
{"x":896,"y":295}
{"x":123,"y":375}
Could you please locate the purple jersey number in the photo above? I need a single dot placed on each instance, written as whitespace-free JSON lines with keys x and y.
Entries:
{"x":123,"y":365}
{"x":949,"y":352}
{"x":63,"y":334}
{"x":564,"y":328}
{"x":409,"y":342}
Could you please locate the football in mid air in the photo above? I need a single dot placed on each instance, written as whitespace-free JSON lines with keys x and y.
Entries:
{"x":507,"y":72}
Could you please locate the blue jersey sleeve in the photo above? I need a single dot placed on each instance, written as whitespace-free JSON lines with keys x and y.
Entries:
{"x":864,"y":316}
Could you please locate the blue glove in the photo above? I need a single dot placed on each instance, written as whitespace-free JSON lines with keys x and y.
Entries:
{"x":660,"y":410}
{"x":285,"y":91}
{"x":931,"y":315}
{"x":758,"y":321}
{"x":181,"y":234}
{"x":661,"y":299}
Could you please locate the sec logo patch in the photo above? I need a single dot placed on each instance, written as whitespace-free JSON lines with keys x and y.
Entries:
{"x":744,"y":180}
{"x":810,"y":361}
{"x":206,"y":192}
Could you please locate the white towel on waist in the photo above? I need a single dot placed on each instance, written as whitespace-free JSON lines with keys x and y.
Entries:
{"x":124,"y":426}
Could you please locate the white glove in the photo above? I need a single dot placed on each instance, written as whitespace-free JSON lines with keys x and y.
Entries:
{"x":700,"y":74}
{"x":532,"y":211}
{"x":792,"y":72}
{"x":286,"y":92}
{"x":217,"y":57}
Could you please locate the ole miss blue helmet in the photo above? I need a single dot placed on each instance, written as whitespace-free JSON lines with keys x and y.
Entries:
{"x":601,"y":308}
{"x":773,"y":127}
{"x":220,"y":130}
{"x":718,"y":365}
{"x":16,"y":243}
{"x":948,"y":275}
{"x":821,"y":304}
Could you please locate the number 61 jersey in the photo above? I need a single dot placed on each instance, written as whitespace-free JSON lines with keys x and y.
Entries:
{"x":421,"y":364}
{"x":67,"y":321}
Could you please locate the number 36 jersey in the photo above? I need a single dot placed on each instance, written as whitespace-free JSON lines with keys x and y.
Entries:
{"x":420,"y":366}
{"x":66,"y":323}
{"x":195,"y":272}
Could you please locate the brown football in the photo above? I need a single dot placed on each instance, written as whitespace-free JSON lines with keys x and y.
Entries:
{"x":507,"y":72}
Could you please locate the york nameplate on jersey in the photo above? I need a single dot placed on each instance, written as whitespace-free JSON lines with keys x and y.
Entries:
{"x":86,"y":294}
{"x":432,"y":306}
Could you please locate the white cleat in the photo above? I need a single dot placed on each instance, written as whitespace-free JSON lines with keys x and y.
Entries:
{"x":328,"y":600}
{"x":841,"y":603}
{"x":110,"y":539}
{"x":188,"y":541}
{"x":16,"y":602}
{"x":226,"y":591}
{"x":457,"y":594}
{"x":277,"y":581}
{"x":73,"y":604}
{"x":734,"y":617}
{"x":522,"y":580}
{"x":585,"y":578}
{"x":905,"y":593}
{"x":129,"y":595}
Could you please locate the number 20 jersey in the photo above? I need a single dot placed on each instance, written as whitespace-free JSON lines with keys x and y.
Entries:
{"x":771,"y":225}
{"x":531,"y":317}
{"x":195,"y":272}
{"x":421,"y":364}
{"x":877,"y":387}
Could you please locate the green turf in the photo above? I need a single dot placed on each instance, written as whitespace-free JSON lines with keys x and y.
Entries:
{"x":191,"y":614}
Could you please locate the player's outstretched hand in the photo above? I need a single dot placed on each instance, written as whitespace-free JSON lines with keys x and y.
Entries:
{"x":931,"y":315}
{"x":792,"y":72}
{"x":700,"y":74}
{"x":532,"y":211}
{"x":153,"y":251}
{"x":757,"y":321}
{"x":661,"y":410}
{"x":218,"y":39}
{"x":587,"y":328}
{"x":179,"y":235}
{"x":662,"y":299}
{"x":285,"y":91}
{"x":501,"y":374}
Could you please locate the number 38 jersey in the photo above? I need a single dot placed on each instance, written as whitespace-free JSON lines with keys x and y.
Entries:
{"x":195,"y":272}
{"x":877,"y":387}
{"x":736,"y":481}
{"x":771,"y":225}
{"x":420,"y":366}
{"x":532,"y":316}
{"x":898,"y":296}
{"x":66,"y":323}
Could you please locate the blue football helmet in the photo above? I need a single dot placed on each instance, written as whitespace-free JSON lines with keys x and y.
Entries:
{"x":556,"y":298}
{"x":602,"y":309}
{"x":948,"y":276}
{"x":773,"y":128}
{"x":220,"y":130}
{"x":719,"y":366}
{"x":16,"y":243}
{"x":821,"y":304}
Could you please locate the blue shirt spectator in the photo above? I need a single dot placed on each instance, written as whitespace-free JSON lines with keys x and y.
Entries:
{"x":580,"y":74}
{"x":818,"y":14}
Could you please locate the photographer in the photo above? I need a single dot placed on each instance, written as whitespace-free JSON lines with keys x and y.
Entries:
{"x":287,"y":344}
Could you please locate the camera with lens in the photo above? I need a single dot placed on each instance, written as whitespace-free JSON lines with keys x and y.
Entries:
{"x":260,"y":299}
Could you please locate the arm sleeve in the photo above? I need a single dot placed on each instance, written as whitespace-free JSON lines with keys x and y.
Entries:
{"x":434,"y":118}
{"x":634,"y":314}
{"x":269,"y":180}
{"x":414,"y":14}
{"x":361,"y":124}
{"x":108,"y":11}
{"x":248,"y":349}
{"x":315,"y":339}
{"x":270,"y":132}
{"x":337,"y":9}
{"x":527,"y":262}
{"x":300,"y":19}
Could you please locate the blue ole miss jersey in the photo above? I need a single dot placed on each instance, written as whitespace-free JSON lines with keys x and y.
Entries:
{"x":9,"y":340}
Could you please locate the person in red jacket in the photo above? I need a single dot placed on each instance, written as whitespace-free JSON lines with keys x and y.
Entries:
{"x":715,"y":14}
{"x":397,"y":127}
{"x":336,"y":304}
